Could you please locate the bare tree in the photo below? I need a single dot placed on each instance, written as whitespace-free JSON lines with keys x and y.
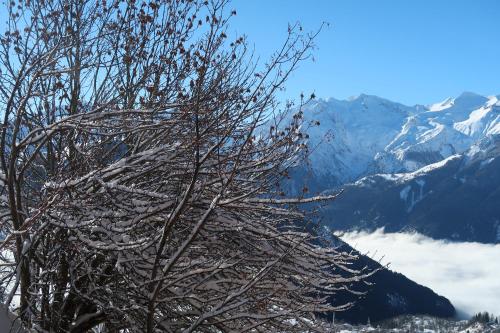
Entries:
{"x":141,"y":154}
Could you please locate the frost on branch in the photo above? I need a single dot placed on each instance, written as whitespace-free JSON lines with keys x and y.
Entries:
{"x":141,"y":156}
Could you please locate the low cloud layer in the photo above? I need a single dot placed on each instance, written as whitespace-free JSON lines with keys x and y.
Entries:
{"x":468,"y":274}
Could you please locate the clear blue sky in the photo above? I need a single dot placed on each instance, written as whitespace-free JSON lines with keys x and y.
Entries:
{"x":418,"y":51}
{"x":411,"y":51}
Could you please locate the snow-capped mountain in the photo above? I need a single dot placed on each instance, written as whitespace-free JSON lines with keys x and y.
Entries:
{"x":443,"y":130}
{"x":351,"y":133}
{"x":456,"y":198}
{"x":368,"y":134}
{"x":434,"y":169}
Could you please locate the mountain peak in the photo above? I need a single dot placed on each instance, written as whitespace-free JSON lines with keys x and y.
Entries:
{"x":470,"y":99}
{"x":466,"y":100}
{"x":447,"y":103}
{"x":362,"y":97}
{"x":469,"y":94}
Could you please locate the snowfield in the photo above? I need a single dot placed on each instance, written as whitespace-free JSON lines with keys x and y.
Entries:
{"x":368,"y":134}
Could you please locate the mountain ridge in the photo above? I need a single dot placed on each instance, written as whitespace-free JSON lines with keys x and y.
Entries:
{"x":418,"y":168}
{"x":370,"y":134}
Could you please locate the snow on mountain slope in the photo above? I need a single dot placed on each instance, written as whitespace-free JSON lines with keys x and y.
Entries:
{"x":456,"y":198}
{"x":401,"y":178}
{"x":482,"y":121}
{"x":351,"y":133}
{"x":446,"y":104}
{"x":369,"y":134}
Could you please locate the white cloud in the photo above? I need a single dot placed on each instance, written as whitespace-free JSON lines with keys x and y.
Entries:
{"x":468,"y":274}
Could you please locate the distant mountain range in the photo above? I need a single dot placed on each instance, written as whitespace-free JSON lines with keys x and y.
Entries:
{"x":433,"y":169}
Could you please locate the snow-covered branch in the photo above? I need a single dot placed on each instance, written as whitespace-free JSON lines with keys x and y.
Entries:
{"x":142,"y":156}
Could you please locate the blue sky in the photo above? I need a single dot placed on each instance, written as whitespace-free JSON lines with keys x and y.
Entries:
{"x":408,"y":51}
{"x":411,"y":51}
